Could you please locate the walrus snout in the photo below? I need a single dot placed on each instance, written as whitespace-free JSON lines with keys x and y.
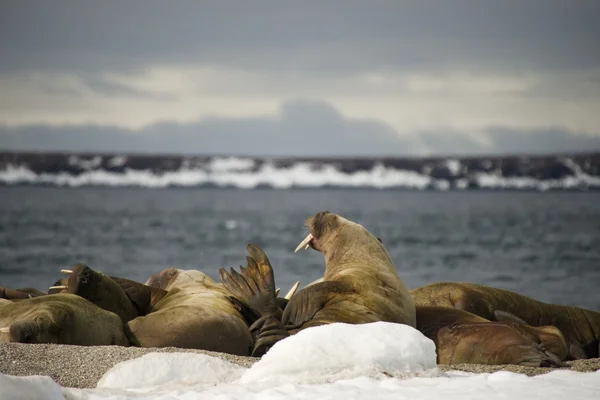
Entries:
{"x":319,"y":225}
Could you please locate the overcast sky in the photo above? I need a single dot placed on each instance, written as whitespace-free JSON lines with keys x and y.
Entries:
{"x":300,"y":77}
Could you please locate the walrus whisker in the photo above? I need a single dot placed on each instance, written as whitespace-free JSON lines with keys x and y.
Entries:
{"x":6,"y":329}
{"x":305,"y":242}
{"x":292,"y":291}
{"x":66,"y":271}
{"x":59,"y":287}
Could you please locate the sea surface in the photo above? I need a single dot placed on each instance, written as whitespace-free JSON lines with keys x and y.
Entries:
{"x":542,"y":244}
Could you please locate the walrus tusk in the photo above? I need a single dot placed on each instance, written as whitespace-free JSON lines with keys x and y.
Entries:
{"x":66,"y":271}
{"x":277,"y":292}
{"x":6,"y":329}
{"x":59,"y":287}
{"x":292,"y":291}
{"x":305,"y":242}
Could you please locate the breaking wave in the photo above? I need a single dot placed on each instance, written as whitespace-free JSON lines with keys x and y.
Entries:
{"x":514,"y":173}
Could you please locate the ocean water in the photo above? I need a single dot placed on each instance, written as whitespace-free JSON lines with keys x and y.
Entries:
{"x":542,"y":244}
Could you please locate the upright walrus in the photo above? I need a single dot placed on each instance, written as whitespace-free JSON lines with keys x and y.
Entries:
{"x":580,"y":327}
{"x":62,"y":319}
{"x":360,"y":284}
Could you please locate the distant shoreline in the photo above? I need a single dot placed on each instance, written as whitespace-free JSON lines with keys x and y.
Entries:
{"x":574,"y":172}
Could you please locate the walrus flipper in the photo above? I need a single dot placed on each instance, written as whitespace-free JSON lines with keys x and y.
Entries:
{"x":250,"y":315}
{"x":309,"y":301}
{"x":266,"y":331}
{"x":255,"y":285}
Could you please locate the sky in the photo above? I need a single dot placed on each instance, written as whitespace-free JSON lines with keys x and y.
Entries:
{"x":309,"y":78}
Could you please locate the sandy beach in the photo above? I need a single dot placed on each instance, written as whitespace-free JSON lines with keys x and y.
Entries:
{"x":83,"y":366}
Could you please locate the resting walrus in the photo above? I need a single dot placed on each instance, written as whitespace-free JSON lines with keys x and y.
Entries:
{"x":61,"y":319}
{"x":461,"y":337}
{"x":360,"y":284}
{"x":580,"y":327}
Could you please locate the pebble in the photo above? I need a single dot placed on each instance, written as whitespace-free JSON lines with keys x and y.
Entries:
{"x":83,"y":366}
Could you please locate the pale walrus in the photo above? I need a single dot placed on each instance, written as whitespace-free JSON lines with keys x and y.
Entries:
{"x":461,"y":337}
{"x":360,"y":284}
{"x":580,"y":327}
{"x":195,"y":314}
{"x":60,"y":319}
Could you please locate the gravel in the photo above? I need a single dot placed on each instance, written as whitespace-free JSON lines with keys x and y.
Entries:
{"x":83,"y":366}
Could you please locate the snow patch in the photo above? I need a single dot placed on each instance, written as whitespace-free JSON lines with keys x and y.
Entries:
{"x":29,"y":388}
{"x":158,"y":369}
{"x":341,"y":351}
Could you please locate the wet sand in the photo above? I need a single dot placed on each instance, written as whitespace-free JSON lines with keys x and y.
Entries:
{"x":83,"y":366}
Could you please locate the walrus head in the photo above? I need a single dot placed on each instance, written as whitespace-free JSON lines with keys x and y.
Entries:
{"x":100,"y":290}
{"x":345,"y":244}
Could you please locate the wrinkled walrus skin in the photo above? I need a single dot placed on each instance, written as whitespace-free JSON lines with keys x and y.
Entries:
{"x":360,"y":284}
{"x":580,"y":327}
{"x":461,"y":337}
{"x":196,"y":315}
{"x":60,"y":319}
{"x":102,"y":291}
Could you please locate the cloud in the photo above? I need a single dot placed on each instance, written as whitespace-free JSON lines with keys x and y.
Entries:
{"x":416,"y":72}
{"x":300,"y":128}
{"x":319,"y":37}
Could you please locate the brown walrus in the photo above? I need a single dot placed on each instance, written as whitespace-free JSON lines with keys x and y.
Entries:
{"x":580,"y":327}
{"x":193,"y":314}
{"x":360,"y":284}
{"x":101,"y":290}
{"x":61,"y":319}
{"x":461,"y":337}
{"x":170,"y":278}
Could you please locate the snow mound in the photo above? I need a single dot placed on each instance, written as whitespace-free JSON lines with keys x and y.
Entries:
{"x":341,"y":351}
{"x":156,"y":369}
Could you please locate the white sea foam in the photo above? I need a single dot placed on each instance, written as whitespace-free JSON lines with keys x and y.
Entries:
{"x":245,"y":173}
{"x":374,"y":361}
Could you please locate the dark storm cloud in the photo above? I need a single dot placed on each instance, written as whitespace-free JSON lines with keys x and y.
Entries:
{"x":303,"y":128}
{"x":318,"y":36}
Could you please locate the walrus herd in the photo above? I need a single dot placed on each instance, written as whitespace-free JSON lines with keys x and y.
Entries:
{"x":244,"y":315}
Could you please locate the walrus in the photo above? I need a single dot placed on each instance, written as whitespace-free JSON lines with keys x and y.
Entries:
{"x":360,"y":284}
{"x":198,"y":314}
{"x":580,"y":327}
{"x":193,"y":313}
{"x":16,"y":294}
{"x":61,"y":319}
{"x":170,"y":278}
{"x":461,"y":337}
{"x":101,"y":290}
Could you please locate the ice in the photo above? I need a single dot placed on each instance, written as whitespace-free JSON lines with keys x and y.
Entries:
{"x":337,"y":361}
{"x":340,"y":351}
{"x":243,"y":173}
{"x":453,"y":166}
{"x":226,"y":164}
{"x":29,"y":388}
{"x":177,"y":368}
{"x":117,"y":161}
